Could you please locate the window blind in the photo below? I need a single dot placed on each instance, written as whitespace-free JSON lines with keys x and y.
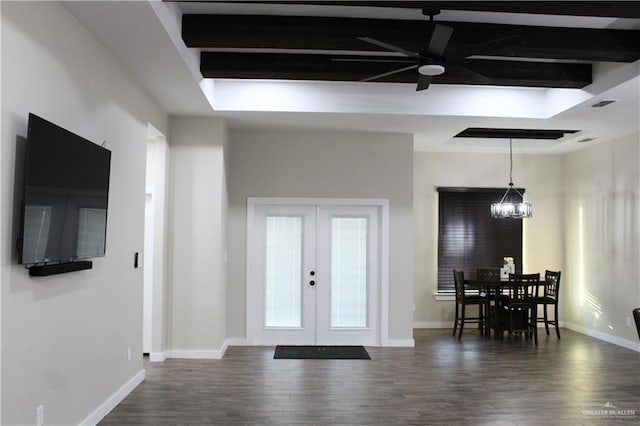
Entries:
{"x":469,"y":238}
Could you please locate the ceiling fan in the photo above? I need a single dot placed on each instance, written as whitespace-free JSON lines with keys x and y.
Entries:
{"x":431,"y":61}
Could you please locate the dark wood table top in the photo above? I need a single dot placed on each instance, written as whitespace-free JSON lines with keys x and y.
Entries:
{"x":501,"y":283}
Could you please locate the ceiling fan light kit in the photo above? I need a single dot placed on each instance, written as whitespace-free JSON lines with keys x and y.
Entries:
{"x":431,"y":69}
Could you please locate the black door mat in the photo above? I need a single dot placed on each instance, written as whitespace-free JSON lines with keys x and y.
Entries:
{"x":321,"y":352}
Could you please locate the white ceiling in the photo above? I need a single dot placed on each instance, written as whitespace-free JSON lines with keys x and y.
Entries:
{"x":145,"y":38}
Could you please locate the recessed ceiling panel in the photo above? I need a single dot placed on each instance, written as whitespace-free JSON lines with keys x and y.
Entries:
{"x":494,"y":133}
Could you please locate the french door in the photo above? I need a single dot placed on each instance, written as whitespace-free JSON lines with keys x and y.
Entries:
{"x":313,"y":274}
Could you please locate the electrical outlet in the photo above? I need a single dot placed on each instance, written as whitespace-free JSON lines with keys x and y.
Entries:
{"x":628,"y":321}
{"x":129,"y":354}
{"x":40,"y":415}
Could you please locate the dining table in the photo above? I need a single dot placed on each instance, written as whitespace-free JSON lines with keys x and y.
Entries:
{"x":499,"y":292}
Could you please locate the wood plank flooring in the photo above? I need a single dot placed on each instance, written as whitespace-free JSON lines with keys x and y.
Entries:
{"x":441,"y":380}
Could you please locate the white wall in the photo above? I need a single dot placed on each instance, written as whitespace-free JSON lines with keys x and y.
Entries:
{"x":540,"y":175}
{"x":197,"y":239}
{"x":601,"y":285}
{"x":323,"y":164}
{"x":65,"y":337}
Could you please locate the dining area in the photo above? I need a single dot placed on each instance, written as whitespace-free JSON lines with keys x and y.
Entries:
{"x":500,"y":302}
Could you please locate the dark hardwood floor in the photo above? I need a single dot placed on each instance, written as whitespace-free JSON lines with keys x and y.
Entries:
{"x":573,"y":381}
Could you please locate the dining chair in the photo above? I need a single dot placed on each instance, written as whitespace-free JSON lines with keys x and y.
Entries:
{"x":491,"y":318}
{"x":550,"y":297}
{"x":462,"y":301}
{"x":520,"y":310}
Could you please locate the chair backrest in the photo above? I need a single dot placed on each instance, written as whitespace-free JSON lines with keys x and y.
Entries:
{"x":552,"y":288}
{"x":523,"y":292}
{"x":636,"y":317}
{"x":458,"y":280}
{"x":488,"y":274}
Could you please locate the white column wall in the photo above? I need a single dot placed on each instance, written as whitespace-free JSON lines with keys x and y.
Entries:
{"x":65,"y":338}
{"x":197,"y":238}
{"x":156,"y":179}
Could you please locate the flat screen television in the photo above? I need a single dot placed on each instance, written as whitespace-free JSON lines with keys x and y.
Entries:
{"x":65,"y":199}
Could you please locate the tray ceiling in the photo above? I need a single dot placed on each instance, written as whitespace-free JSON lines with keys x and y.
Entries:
{"x":298,"y":66}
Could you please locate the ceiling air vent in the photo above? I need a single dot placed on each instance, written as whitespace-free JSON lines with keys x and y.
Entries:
{"x":585,"y":140}
{"x":602,"y":104}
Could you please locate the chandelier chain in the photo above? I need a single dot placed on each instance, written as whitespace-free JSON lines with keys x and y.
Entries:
{"x":510,"y":162}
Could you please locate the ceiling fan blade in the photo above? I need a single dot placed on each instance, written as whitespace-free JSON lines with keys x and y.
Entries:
{"x":439,"y":40}
{"x":389,"y":47}
{"x":423,"y":82}
{"x":380,"y":60}
{"x":484,"y":48}
{"x":376,"y":77}
{"x":456,"y":70}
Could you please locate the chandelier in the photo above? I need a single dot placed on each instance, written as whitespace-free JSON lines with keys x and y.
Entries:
{"x":512,"y":204}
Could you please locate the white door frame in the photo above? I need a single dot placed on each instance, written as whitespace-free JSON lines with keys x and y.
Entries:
{"x":147,"y":271}
{"x":382,"y":204}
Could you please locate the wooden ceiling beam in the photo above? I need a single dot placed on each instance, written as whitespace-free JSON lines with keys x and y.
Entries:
{"x":324,"y":67}
{"x":610,"y":9}
{"x":321,"y":33}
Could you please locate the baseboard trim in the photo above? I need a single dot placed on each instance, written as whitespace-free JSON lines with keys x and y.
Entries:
{"x":237,"y":341}
{"x":577,"y":328}
{"x":449,"y":325}
{"x":157,"y":356}
{"x":194,"y":354}
{"x":390,"y":343}
{"x":115,"y":399}
{"x":399,"y":343}
{"x":603,"y":336}
{"x":219,"y":354}
{"x":433,"y":324}
{"x":198,"y":354}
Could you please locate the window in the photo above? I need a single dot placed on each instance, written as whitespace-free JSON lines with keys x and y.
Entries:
{"x":469,"y":238}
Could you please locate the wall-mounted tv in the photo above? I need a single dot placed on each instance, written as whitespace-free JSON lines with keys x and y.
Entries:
{"x":65,"y":200}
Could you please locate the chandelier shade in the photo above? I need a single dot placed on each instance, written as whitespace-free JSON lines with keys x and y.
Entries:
{"x":512,"y":205}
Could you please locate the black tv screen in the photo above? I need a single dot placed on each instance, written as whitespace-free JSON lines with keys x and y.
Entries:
{"x":66,"y":193}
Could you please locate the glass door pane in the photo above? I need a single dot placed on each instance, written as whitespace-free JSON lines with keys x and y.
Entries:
{"x":283,"y":271}
{"x":349,"y":272}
